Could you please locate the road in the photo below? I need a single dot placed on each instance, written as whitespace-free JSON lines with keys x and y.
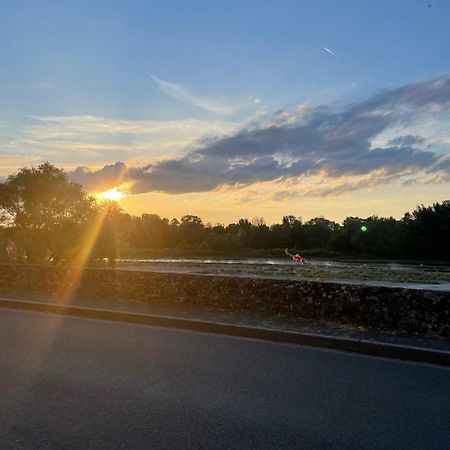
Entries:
{"x":79,"y":383}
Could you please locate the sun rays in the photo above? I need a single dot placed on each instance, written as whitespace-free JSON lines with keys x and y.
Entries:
{"x":114,"y":195}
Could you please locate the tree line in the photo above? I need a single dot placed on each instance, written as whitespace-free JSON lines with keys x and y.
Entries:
{"x":45,"y":217}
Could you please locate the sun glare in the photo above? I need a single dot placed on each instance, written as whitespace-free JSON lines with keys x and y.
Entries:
{"x":113,"y":194}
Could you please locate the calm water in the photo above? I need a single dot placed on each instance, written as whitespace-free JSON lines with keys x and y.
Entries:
{"x":375,"y":273}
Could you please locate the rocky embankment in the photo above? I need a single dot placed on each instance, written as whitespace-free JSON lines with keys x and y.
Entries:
{"x":375,"y":307}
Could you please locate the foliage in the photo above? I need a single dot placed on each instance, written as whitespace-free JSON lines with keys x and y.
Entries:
{"x":50,"y":218}
{"x":43,"y":211}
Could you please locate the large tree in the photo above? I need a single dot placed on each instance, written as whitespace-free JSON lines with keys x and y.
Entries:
{"x":44,"y":211}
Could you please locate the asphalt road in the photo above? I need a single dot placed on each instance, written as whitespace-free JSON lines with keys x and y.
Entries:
{"x":78,"y":383}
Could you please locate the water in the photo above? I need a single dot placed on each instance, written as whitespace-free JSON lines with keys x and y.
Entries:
{"x":420,"y":276}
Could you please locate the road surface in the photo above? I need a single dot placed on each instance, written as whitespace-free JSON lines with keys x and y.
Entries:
{"x":79,"y":383}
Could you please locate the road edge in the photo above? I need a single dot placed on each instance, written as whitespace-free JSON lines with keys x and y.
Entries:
{"x":360,"y":346}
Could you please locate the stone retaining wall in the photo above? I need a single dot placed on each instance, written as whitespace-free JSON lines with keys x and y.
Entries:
{"x":381,"y":308}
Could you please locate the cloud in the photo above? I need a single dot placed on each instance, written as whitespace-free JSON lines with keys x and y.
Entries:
{"x":400,"y":133}
{"x":345,"y":184}
{"x":307,"y":141}
{"x":406,"y":141}
{"x":310,"y":140}
{"x":184,"y":94}
{"x":443,"y":164}
{"x":67,"y":140}
{"x":440,"y":172}
{"x":9,"y":162}
{"x":99,"y":180}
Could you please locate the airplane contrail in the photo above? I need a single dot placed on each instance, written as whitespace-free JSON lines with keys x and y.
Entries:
{"x":181,"y":93}
{"x":329,"y":51}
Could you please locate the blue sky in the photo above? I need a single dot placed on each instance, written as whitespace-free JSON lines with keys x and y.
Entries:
{"x":190,"y":69}
{"x":232,"y":49}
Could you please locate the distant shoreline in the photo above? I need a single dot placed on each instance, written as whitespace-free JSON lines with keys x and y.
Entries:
{"x":278,"y":253}
{"x":366,"y":272}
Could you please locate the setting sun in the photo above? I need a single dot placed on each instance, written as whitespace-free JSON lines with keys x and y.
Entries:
{"x":112,"y":195}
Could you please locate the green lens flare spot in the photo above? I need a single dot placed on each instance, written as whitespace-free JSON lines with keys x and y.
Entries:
{"x":363,"y":228}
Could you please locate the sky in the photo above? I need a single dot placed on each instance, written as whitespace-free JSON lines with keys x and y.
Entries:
{"x":230,"y":109}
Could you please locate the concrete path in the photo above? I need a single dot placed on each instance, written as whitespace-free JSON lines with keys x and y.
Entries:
{"x":79,"y":383}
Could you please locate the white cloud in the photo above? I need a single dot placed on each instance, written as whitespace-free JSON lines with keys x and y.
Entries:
{"x":182,"y":93}
{"x":93,"y":140}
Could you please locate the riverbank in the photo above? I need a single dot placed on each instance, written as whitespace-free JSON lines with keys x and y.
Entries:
{"x":389,"y":274}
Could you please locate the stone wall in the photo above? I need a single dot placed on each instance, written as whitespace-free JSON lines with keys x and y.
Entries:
{"x":382,"y":308}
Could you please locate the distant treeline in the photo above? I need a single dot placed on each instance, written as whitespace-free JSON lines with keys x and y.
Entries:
{"x":422,"y":234}
{"x":43,"y":216}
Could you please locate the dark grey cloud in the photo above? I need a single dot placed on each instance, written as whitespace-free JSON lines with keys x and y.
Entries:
{"x":102,"y":179}
{"x":305,"y":142}
{"x":406,"y":141}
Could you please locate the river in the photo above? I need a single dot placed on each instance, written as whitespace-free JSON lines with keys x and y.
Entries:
{"x":420,"y":276}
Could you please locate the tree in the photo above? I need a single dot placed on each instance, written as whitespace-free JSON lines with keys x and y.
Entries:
{"x":429,"y":231}
{"x":318,"y":232}
{"x":44,"y":210}
{"x":347,"y":237}
{"x":151,"y":231}
{"x":113,"y":231}
{"x":191,"y":229}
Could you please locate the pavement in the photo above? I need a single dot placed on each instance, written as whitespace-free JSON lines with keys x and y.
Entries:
{"x":431,"y":349}
{"x":69,"y":382}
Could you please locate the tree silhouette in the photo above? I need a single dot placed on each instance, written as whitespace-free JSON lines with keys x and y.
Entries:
{"x":44,"y":211}
{"x":47,"y":217}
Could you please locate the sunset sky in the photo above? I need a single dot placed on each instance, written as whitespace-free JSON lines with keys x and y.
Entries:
{"x":229,"y":109}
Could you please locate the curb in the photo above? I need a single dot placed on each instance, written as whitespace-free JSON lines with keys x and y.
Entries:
{"x":360,"y":346}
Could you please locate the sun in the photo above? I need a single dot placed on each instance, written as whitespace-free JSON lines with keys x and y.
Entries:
{"x":112,"y":194}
